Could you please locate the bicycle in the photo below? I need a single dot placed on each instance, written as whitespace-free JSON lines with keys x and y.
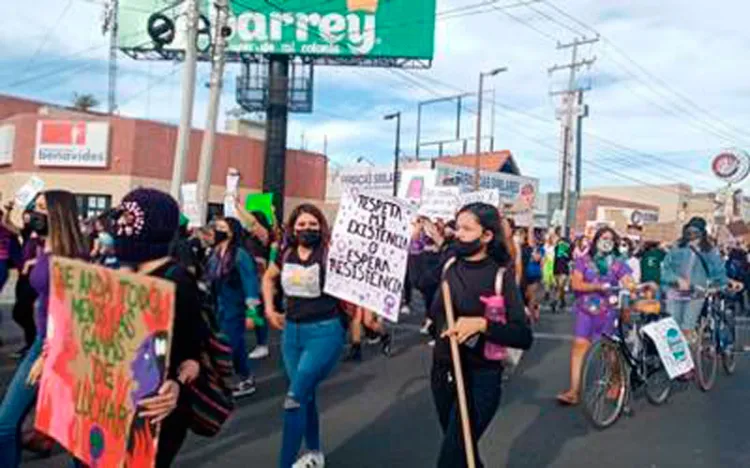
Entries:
{"x":628,"y":360}
{"x":715,"y":336}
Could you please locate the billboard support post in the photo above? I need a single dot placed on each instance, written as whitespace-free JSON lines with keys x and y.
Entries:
{"x":209,"y":133}
{"x":188,"y":95}
{"x":277,"y":114}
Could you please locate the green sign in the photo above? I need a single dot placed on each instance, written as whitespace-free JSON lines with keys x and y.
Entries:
{"x":262,"y":202}
{"x":341,"y":28}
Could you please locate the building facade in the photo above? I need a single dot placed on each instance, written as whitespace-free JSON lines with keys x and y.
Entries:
{"x":100,"y":157}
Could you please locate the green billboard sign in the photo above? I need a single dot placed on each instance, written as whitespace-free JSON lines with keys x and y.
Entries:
{"x":339,"y":28}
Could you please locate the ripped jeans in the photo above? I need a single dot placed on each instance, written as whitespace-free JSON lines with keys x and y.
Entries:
{"x":310,"y":351}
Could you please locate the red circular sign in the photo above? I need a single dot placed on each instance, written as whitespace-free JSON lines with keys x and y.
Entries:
{"x":732,"y":166}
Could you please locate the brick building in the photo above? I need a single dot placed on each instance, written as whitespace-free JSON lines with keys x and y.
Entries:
{"x":101,"y":157}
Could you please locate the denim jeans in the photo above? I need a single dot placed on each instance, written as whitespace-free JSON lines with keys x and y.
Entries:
{"x":483,"y":388}
{"x":18,"y":401}
{"x":232,"y":324}
{"x":311,"y":351}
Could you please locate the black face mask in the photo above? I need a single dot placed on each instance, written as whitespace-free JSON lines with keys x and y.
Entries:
{"x":220,"y":236}
{"x":467,"y":249}
{"x":308,"y":238}
{"x":38,"y":223}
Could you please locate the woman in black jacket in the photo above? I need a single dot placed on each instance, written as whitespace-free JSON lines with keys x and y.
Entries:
{"x":480,"y":254}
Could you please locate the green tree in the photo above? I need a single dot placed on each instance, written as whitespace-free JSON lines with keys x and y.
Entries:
{"x":84,"y":102}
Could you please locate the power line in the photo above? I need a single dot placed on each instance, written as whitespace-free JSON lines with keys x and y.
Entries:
{"x":676,"y":95}
{"x":47,"y":35}
{"x":526,"y":23}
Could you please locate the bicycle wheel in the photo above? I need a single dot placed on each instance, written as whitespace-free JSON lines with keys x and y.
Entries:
{"x":658,"y":383}
{"x":727,"y":325}
{"x":706,"y":358}
{"x":605,"y":383}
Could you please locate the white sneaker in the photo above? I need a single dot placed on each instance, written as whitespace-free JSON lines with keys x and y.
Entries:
{"x":405,"y":310}
{"x":425,"y":330}
{"x":431,"y":343}
{"x":260,"y":352}
{"x":311,"y":460}
{"x":244,"y":388}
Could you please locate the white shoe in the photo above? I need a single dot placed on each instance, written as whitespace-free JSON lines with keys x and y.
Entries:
{"x":260,"y":352}
{"x":431,"y":343}
{"x":244,"y":388}
{"x":425,"y":330}
{"x":311,"y":460}
{"x":405,"y":310}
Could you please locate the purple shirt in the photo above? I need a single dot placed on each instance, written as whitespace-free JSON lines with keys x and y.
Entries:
{"x":585,"y":302}
{"x":5,"y":239}
{"x":31,"y":247}
{"x":39,"y":279}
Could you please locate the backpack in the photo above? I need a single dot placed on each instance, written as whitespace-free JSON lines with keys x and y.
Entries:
{"x":211,"y":401}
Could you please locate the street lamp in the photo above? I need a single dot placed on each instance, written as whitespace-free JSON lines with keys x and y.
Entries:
{"x":362,"y":159}
{"x":397,"y":150}
{"x":480,"y":95}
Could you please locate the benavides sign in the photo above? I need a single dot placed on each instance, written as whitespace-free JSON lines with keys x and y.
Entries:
{"x":344,"y":28}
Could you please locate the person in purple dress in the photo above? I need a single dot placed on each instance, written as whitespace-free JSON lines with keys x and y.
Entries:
{"x":54,"y":218}
{"x":594,"y":276}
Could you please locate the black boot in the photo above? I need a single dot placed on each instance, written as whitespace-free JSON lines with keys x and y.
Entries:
{"x":354,"y":354}
{"x":385,"y":343}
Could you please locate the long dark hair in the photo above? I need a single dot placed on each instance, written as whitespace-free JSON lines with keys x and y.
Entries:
{"x":594,"y":247}
{"x":65,"y":237}
{"x":705,"y":245}
{"x":226,"y":263}
{"x":308,"y":208}
{"x":489,"y":218}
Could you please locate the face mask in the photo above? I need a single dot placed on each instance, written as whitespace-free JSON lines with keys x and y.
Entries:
{"x":605,"y":246}
{"x":38,"y":223}
{"x":220,"y":236}
{"x":467,"y":249}
{"x":624,"y":250}
{"x":309,"y":238}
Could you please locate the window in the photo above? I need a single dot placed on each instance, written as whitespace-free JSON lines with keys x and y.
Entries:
{"x":214,"y":210}
{"x":93,"y":205}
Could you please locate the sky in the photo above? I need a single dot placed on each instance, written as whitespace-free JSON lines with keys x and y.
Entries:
{"x":667,"y":93}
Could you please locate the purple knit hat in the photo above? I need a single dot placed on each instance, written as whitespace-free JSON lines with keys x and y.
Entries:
{"x":147,"y":226}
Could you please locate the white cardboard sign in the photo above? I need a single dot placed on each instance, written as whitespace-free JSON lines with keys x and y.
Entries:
{"x":672,"y":346}
{"x":440,"y":202}
{"x":368,"y":252}
{"x":489,"y":196}
{"x":28,"y":192}
{"x":190,"y":204}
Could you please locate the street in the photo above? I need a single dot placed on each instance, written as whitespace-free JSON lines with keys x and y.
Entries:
{"x":379,"y":413}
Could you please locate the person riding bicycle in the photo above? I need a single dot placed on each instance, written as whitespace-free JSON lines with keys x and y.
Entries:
{"x":692,"y":262}
{"x":594,"y":277}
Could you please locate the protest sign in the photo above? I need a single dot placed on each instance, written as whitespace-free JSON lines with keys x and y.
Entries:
{"x":28,"y":192}
{"x":233,"y":187}
{"x":108,"y":336}
{"x":440,"y":202}
{"x":672,"y":347}
{"x":413,"y":183}
{"x":262,"y":202}
{"x":190,"y":204}
{"x":368,"y":253}
{"x":489,"y":196}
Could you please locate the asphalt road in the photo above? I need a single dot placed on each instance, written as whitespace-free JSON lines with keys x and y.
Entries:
{"x":379,"y":414}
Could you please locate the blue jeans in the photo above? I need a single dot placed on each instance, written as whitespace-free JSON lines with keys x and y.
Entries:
{"x":483,"y":391}
{"x":232,"y":324}
{"x":311,"y":351}
{"x":18,"y":401}
{"x":261,"y":334}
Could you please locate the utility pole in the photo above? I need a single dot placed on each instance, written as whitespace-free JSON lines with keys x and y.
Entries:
{"x":480,"y":96}
{"x":215,"y":84}
{"x":397,"y":150}
{"x":188,"y":93}
{"x":583,"y":112}
{"x":110,"y":23}
{"x":569,"y":106}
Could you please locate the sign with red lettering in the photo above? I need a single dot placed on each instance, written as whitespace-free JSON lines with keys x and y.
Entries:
{"x":108,"y":336}
{"x":68,"y":143}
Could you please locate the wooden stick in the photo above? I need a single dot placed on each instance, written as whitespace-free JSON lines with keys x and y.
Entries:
{"x":463,"y":407}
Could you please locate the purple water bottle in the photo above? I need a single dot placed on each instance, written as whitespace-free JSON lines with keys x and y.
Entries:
{"x":494,"y":311}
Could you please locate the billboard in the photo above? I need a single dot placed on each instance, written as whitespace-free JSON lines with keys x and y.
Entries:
{"x":340,"y":28}
{"x":512,"y":188}
{"x":66,"y":143}
{"x":7,"y":139}
{"x":369,"y":179}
